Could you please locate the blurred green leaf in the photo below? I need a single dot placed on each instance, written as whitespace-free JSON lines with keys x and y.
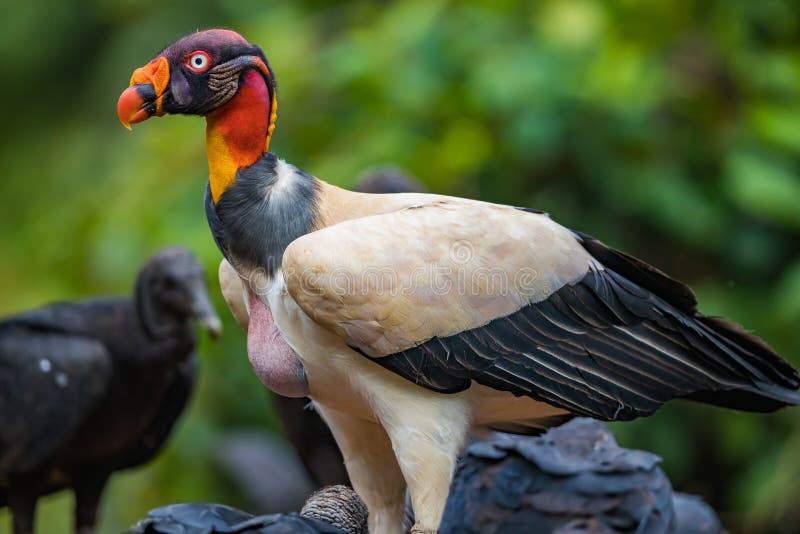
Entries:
{"x":764,"y":186}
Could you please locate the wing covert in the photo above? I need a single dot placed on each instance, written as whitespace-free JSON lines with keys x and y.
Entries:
{"x":385,"y":289}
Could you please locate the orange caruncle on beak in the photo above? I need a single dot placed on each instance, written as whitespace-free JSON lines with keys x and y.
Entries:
{"x":144,"y":97}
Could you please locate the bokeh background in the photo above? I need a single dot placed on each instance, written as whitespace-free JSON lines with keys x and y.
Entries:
{"x":669,"y":129}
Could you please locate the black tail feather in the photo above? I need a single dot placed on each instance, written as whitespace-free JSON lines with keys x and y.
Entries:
{"x":764,"y":381}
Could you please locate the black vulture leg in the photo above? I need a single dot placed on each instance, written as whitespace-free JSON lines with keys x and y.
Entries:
{"x":88,"y":490}
{"x":22,"y":503}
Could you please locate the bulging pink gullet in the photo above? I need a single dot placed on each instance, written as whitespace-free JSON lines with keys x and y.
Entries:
{"x":272,"y":359}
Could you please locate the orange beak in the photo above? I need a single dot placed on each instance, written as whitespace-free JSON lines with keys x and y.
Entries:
{"x":144,"y":97}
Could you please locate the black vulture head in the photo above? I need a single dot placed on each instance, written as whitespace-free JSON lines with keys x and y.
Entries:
{"x":388,"y":179}
{"x":171,"y":291}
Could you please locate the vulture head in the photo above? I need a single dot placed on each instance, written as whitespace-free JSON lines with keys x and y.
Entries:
{"x":219,"y":75}
{"x":171,"y":291}
{"x":196,"y":75}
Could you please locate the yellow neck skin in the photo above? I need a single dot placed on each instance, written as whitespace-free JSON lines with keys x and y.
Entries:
{"x":221,"y":167}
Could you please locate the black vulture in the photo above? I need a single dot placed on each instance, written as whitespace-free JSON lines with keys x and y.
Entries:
{"x":386,"y":179}
{"x":573,"y":479}
{"x":91,"y":387}
{"x":331,"y":510}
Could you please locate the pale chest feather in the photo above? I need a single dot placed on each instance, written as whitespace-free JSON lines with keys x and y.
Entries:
{"x":335,"y":373}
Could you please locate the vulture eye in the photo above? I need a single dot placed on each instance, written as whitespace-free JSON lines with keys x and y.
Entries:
{"x":198,"y":61}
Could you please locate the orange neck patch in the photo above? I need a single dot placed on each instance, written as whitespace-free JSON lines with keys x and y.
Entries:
{"x":238,"y":133}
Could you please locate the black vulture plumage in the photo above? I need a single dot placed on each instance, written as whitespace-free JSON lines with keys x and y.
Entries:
{"x":573,"y":479}
{"x":387,"y":179}
{"x":332,"y":510}
{"x":91,"y":387}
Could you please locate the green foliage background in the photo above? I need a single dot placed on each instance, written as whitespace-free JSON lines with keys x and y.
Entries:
{"x":669,"y":129}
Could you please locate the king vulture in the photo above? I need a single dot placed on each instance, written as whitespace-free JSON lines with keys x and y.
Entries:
{"x":409,"y":317}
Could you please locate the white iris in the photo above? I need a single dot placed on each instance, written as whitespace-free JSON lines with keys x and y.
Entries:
{"x":199,"y":61}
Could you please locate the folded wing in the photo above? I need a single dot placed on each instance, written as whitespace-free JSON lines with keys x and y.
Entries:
{"x":458,"y":291}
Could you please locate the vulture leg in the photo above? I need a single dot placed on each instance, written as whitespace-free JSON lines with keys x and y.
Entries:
{"x":23,"y":493}
{"x":88,"y":491}
{"x":427,"y":443}
{"x":372,"y":468}
{"x":23,"y":511}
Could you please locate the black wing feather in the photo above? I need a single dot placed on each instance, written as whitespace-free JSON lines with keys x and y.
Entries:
{"x":615,"y":345}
